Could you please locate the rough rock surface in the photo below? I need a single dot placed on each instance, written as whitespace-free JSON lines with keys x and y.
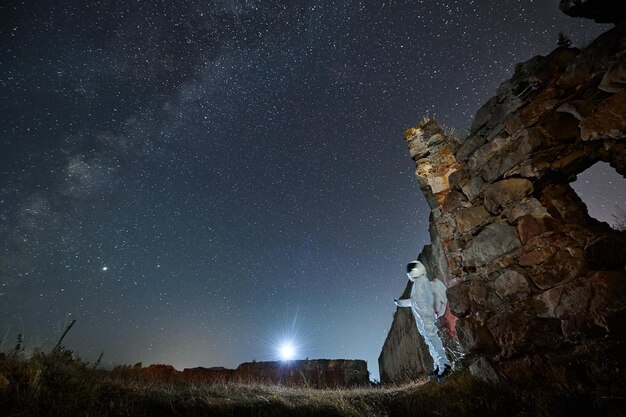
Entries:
{"x":320,"y":373}
{"x":533,"y":279}
{"x":404,"y":355}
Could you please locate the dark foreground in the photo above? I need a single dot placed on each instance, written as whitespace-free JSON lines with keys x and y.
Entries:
{"x":57,"y":384}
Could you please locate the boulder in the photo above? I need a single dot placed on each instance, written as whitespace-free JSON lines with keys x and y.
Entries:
{"x":614,"y":79}
{"x":468,"y":219}
{"x":512,"y":285}
{"x":503,"y":193}
{"x":529,"y":227}
{"x":458,"y":299}
{"x":492,"y":242}
{"x":483,"y":370}
{"x":605,"y":122}
{"x":474,"y":337}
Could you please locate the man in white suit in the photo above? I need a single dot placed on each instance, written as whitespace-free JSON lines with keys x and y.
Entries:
{"x":428,"y":302}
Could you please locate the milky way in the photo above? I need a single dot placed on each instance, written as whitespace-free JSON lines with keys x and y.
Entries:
{"x":195,"y":182}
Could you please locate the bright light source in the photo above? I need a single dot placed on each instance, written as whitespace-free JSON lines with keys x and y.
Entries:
{"x":287,"y":352}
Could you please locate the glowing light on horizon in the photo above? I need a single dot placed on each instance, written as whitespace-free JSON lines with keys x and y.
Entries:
{"x":287,"y":352}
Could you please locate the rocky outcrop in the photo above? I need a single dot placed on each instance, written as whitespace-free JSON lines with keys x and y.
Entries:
{"x":404,"y":355}
{"x":534,"y":281}
{"x":320,"y":373}
{"x":602,"y":11}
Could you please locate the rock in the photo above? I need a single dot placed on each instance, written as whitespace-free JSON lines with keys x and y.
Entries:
{"x":563,"y":203}
{"x":468,"y":219}
{"x":483,"y":114}
{"x":487,"y":153}
{"x":602,"y":11}
{"x":529,"y":206}
{"x":614,"y":79}
{"x":453,"y":200}
{"x":474,"y":337}
{"x":478,"y":291}
{"x":473,"y":187}
{"x":458,"y":299}
{"x":468,"y":147}
{"x":579,"y":109}
{"x":605,"y":121}
{"x":535,"y":255}
{"x":607,"y":251}
{"x":159,"y":373}
{"x":492,"y":242}
{"x":418,"y":149}
{"x":518,"y":332}
{"x":512,"y":285}
{"x":404,"y":354}
{"x":457,"y":178}
{"x":529,"y":227}
{"x":483,"y":370}
{"x":525,"y":264}
{"x":503,"y":193}
{"x":510,"y":331}
{"x":566,"y":265}
{"x":585,"y":306}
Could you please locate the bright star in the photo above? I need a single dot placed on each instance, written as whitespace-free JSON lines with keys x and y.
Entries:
{"x":287,"y":352}
{"x":104,"y":268}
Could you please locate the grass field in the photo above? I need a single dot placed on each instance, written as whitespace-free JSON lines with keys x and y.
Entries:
{"x":58,"y":383}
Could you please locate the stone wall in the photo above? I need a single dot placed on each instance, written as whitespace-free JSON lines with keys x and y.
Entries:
{"x":314,"y":373}
{"x":537,"y":285}
{"x":320,"y":373}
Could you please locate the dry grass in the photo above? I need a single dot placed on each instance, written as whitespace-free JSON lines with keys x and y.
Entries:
{"x":59,"y":384}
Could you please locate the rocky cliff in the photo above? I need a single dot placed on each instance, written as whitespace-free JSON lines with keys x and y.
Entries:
{"x":537,"y":285}
{"x":404,"y":355}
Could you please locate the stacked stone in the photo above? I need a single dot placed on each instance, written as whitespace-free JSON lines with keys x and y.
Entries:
{"x":533,"y":279}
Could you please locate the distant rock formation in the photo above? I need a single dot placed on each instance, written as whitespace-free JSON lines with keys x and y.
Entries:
{"x":320,"y":373}
{"x":537,"y":285}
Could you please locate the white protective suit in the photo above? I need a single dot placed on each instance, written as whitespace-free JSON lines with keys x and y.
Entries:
{"x":428,"y":302}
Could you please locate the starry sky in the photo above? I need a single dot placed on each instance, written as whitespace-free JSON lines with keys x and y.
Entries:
{"x":197,"y":181}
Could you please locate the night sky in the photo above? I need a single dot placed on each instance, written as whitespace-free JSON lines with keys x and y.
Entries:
{"x":197,"y":181}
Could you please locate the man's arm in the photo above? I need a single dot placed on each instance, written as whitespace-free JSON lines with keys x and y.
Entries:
{"x":403,"y":303}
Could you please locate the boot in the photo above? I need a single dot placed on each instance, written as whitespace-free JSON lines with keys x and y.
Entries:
{"x":447,"y":370}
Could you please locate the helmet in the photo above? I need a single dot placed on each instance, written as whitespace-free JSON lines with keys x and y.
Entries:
{"x":415,"y":269}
